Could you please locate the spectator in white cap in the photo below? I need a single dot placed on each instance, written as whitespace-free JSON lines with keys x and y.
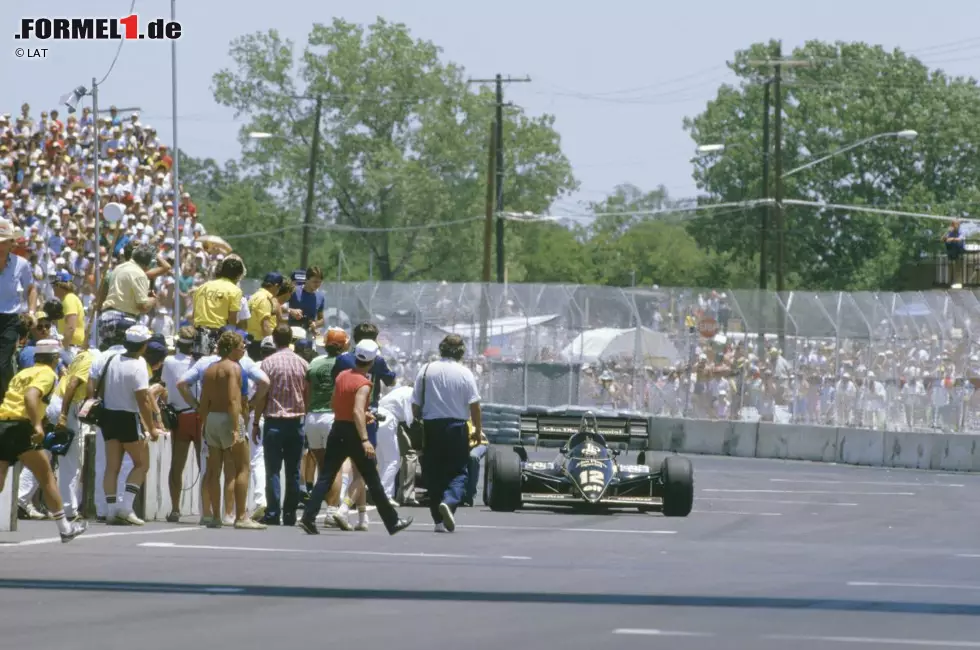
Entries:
{"x":127,"y":418}
{"x":22,"y":435}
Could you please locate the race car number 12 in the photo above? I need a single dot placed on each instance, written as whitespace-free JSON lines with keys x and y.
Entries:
{"x":591,"y":476}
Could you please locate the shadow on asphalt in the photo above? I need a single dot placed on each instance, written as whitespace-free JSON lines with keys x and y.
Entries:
{"x":727,"y":602}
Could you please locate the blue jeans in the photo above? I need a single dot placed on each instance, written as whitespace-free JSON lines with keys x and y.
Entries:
{"x":445,"y":463}
{"x":473,"y":476}
{"x":282,"y":442}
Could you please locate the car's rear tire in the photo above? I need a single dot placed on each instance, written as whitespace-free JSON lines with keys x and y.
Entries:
{"x":504,"y":481}
{"x":487,"y":464}
{"x":678,"y":473}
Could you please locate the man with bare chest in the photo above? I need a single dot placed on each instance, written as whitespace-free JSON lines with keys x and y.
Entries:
{"x":221,"y":409}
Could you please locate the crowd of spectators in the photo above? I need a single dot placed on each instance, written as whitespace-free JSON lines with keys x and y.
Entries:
{"x":47,"y":192}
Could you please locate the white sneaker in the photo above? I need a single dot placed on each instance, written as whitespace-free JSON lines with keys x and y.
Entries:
{"x":129,"y":518}
{"x":342,"y":522}
{"x":441,"y":528}
{"x":362,"y":522}
{"x":228,"y":520}
{"x":447,"y":516}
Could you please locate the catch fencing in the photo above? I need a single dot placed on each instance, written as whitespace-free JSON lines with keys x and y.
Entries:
{"x":894,"y":361}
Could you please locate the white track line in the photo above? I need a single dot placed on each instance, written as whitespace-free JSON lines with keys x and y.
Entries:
{"x":825,"y":492}
{"x":882,"y":483}
{"x":914,"y":585}
{"x":736,"y":512}
{"x":646,"y":632}
{"x":252,"y":549}
{"x":775,"y":501}
{"x":87,"y":535}
{"x":576,"y":530}
{"x":859,"y":640}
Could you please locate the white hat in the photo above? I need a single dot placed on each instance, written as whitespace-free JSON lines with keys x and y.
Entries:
{"x":47,"y":346}
{"x":366,"y":350}
{"x":138,"y":334}
{"x":7,"y":231}
{"x":267,"y":342}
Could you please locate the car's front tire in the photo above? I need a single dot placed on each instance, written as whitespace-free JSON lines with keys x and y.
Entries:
{"x":504,"y":481}
{"x":678,"y":475}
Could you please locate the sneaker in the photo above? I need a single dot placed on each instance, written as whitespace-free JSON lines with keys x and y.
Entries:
{"x":249,"y":524}
{"x":205,"y":520}
{"x":29,"y":512}
{"x":215,"y":523}
{"x":228,"y":520}
{"x":173,"y":518}
{"x":123,"y":518}
{"x":447,"y":516}
{"x":258,"y":513}
{"x":340,"y":518}
{"x":76,"y":530}
{"x":362,"y":526}
{"x":309,"y":527}
{"x":441,"y":528}
{"x":401,"y":525}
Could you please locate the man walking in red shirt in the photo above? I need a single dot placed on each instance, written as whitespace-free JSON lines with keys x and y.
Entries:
{"x":349,"y":439}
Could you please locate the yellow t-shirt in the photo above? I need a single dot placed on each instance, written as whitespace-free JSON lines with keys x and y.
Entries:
{"x":128,"y":289}
{"x":80,"y":367}
{"x":261,"y":305}
{"x":214,"y":301}
{"x":40,"y":377}
{"x":72,"y":304}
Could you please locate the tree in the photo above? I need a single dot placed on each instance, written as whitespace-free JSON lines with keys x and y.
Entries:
{"x":657,"y":248}
{"x":240,"y":209}
{"x":403,"y":143}
{"x":849,"y":91}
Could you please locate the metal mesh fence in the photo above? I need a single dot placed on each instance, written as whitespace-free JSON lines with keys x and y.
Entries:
{"x":898,"y":361}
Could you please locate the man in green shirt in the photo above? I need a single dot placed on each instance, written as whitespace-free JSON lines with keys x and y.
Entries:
{"x":319,"y":419}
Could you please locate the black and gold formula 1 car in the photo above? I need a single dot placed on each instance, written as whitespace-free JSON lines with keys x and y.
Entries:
{"x":587,"y":473}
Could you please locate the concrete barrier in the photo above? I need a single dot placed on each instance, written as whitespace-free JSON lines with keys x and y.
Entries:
{"x":8,"y":500}
{"x":797,"y":442}
{"x":860,"y":446}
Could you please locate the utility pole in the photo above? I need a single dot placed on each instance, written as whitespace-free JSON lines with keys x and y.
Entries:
{"x":764,"y":230}
{"x":499,"y":138}
{"x":310,"y":183}
{"x":488,"y":238}
{"x":780,"y":217}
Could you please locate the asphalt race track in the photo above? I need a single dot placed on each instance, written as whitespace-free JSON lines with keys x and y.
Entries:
{"x":775,"y":555}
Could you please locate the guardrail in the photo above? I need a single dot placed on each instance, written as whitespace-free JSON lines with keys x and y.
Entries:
{"x":957,"y":452}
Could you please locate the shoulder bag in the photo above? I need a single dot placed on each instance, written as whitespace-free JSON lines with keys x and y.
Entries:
{"x":416,"y":433}
{"x":90,"y":412}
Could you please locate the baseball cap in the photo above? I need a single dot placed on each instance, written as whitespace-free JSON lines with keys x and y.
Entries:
{"x":63,"y":276}
{"x":47,"y":346}
{"x":138,"y":334}
{"x":366,"y":350}
{"x":267,"y":342}
{"x":272,"y":278}
{"x":335,"y":337}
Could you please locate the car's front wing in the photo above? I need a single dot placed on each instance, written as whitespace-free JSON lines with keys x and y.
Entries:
{"x":547,"y":488}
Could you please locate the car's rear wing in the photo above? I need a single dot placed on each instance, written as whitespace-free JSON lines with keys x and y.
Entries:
{"x":552,"y":427}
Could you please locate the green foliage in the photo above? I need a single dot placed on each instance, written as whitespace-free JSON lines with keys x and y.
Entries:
{"x":848,"y":92}
{"x":403,"y":144}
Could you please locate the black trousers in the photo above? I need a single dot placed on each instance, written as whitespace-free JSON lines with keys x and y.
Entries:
{"x":8,"y":347}
{"x":445,"y":464}
{"x":344,"y":442}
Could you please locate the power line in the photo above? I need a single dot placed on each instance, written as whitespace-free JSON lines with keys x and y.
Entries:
{"x":118,"y":49}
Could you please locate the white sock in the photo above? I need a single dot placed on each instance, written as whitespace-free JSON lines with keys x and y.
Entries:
{"x":64,"y":526}
{"x":129,"y":496}
{"x":362,"y":516}
{"x":110,"y":506}
{"x":344,"y":485}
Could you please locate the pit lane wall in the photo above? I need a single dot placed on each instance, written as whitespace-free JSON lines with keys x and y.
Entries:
{"x":958,"y":452}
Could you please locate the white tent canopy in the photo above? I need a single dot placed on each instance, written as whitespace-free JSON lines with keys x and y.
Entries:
{"x":496,"y":326}
{"x":608,"y":343}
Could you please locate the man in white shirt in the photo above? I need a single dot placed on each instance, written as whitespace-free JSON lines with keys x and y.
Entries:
{"x":445,"y":397}
{"x":396,"y":407}
{"x":126,"y":420}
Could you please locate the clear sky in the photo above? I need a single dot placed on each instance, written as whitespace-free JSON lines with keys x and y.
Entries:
{"x":669,"y":57}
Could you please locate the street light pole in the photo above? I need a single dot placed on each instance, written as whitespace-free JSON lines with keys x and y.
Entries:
{"x":310,"y":185}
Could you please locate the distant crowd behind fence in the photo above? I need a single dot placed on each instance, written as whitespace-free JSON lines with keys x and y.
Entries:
{"x":897,"y":361}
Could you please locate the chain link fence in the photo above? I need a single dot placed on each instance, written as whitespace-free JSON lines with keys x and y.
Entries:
{"x":897,"y":361}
